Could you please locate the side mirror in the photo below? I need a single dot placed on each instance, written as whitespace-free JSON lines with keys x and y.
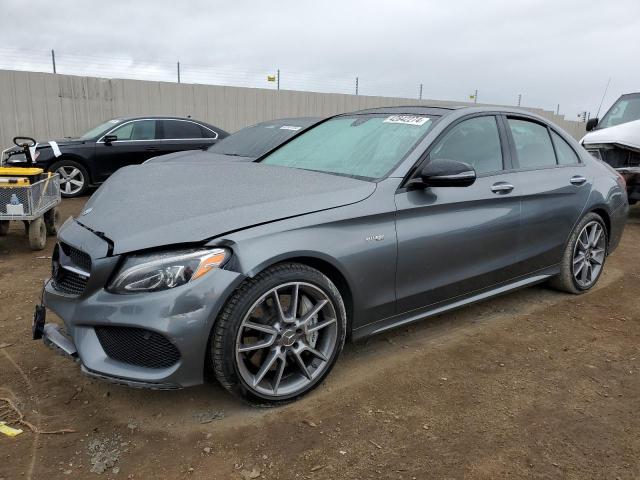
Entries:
{"x":441,"y":172}
{"x":109,"y":139}
{"x":591,"y":124}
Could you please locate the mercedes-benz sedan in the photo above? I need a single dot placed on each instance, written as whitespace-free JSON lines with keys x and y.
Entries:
{"x":258,"y":271}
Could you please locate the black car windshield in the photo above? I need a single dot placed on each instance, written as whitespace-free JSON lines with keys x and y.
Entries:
{"x":626,"y":109}
{"x":103,"y":127}
{"x":257,"y":140}
{"x":364,"y":146}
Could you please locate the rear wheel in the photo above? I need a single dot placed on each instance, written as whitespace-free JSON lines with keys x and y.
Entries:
{"x":584,"y":256}
{"x":279,"y":335}
{"x":74,"y":178}
{"x":37,"y":234}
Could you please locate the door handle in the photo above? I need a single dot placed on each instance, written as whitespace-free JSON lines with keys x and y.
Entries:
{"x":152,"y":149}
{"x":578,"y":180}
{"x":501,"y":187}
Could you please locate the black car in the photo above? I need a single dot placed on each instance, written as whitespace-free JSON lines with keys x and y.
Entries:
{"x":91,"y":158}
{"x":246,"y":144}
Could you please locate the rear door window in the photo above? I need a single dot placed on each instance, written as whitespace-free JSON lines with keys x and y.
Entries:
{"x":533,"y":144}
{"x":177,"y":129}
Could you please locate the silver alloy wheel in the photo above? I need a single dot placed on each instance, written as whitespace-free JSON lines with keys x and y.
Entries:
{"x":287,"y":339}
{"x":71,"y":179}
{"x":588,"y":254}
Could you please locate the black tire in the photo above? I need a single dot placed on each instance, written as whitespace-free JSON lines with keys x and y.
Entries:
{"x":37,"y":234}
{"x":4,"y":227}
{"x":228,"y":323}
{"x":52,"y":220}
{"x":67,"y":189}
{"x":566,"y":281}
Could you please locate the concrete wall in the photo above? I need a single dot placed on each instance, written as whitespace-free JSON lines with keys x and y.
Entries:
{"x":48,"y":106}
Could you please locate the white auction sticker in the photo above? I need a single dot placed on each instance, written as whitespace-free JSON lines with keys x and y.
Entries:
{"x":290,"y":127}
{"x":55,"y":148}
{"x":407,"y":120}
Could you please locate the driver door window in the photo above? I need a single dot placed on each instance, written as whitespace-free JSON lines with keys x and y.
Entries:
{"x":138,"y":130}
{"x":475,"y":141}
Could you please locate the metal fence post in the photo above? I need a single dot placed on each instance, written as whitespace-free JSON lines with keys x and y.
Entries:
{"x":420,"y":92}
{"x":178,"y":72}
{"x":53,"y":60}
{"x":278,"y":79}
{"x":356,"y":85}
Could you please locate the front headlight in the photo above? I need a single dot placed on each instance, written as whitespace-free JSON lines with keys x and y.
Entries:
{"x":154,"y":272}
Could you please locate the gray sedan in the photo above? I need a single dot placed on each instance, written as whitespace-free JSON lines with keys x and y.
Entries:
{"x":258,"y":271}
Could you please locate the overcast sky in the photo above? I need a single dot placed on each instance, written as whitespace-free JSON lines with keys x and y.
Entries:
{"x":550,"y":51}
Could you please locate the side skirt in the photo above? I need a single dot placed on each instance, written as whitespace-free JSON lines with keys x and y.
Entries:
{"x":452,"y":304}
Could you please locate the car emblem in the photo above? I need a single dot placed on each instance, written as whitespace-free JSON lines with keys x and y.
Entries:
{"x":377,"y":238}
{"x":87,"y":211}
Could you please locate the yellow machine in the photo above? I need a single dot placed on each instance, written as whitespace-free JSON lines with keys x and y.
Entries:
{"x":30,"y":195}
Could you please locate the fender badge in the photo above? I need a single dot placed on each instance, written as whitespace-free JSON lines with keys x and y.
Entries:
{"x":377,"y":238}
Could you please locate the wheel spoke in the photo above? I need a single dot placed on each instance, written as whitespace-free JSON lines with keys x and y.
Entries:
{"x":315,"y":353}
{"x":276,"y":301}
{"x":77,"y":183}
{"x":261,"y":327}
{"x":301,"y":365}
{"x":256,"y":346}
{"x":596,"y":236}
{"x":278,"y":378}
{"x":74,"y":173}
{"x":266,"y":365}
{"x":293,"y":310}
{"x":312,"y":312}
{"x":579,"y":258}
{"x":579,"y":269}
{"x":67,"y":187}
{"x":321,"y":325}
{"x":585,"y":272}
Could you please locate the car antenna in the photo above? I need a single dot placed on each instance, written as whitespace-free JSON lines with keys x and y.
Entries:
{"x":605,"y":93}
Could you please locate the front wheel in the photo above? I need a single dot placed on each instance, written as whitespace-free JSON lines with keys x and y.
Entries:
{"x":74,"y":179}
{"x":584,"y":256}
{"x":279,"y":335}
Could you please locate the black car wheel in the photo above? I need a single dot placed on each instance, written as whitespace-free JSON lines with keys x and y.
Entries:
{"x":279,"y":335}
{"x":74,"y":179}
{"x":584,"y":256}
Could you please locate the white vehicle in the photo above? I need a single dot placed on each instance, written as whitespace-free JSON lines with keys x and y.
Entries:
{"x":616,"y":140}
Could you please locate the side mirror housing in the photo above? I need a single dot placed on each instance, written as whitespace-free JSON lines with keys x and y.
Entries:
{"x":591,"y":124}
{"x":109,"y":139}
{"x":442,"y":172}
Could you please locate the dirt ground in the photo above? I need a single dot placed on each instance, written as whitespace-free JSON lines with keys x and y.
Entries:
{"x":535,"y":384}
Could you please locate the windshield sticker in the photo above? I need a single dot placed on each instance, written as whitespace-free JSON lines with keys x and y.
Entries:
{"x":407,"y":120}
{"x":290,"y":127}
{"x":55,"y":148}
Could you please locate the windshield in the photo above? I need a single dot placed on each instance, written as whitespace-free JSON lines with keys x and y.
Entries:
{"x":255,"y":140}
{"x":626,"y":109}
{"x":103,"y":127}
{"x":365,"y":146}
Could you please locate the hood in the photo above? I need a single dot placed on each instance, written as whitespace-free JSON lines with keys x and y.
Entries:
{"x":625,"y":134}
{"x":195,"y":156}
{"x":148,"y":206}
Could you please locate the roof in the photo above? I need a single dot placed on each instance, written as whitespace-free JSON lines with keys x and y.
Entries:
{"x":415,"y":109}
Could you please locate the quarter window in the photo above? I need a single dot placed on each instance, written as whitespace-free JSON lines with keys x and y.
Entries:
{"x":475,"y":141}
{"x":180,"y":129}
{"x":566,"y":155}
{"x":533,"y":144}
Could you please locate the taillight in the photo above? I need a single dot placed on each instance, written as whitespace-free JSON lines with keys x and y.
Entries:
{"x":621,"y":180}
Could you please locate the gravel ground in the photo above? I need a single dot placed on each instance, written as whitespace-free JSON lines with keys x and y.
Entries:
{"x":534,"y":384}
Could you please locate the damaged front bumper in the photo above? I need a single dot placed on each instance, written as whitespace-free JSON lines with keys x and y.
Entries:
{"x":153,"y":340}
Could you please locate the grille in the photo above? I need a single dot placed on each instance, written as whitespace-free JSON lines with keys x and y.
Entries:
{"x":66,"y":281}
{"x":137,"y":346}
{"x":70,"y":283}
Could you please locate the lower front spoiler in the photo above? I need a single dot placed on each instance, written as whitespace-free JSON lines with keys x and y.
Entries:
{"x":58,"y":341}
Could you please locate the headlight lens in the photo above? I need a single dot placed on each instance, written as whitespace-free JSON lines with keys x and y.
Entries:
{"x":161,"y":271}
